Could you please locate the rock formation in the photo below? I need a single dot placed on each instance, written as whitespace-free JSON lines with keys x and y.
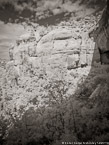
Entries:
{"x":60,"y":46}
{"x":55,"y":73}
{"x":101,"y":35}
{"x":65,"y":47}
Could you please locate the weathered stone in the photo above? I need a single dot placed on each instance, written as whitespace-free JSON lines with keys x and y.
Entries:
{"x":89,"y":59}
{"x":44,"y":48}
{"x":72,"y":61}
{"x":83,"y":56}
{"x":58,"y":47}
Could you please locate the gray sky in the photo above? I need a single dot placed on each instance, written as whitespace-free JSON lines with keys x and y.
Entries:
{"x":8,"y":34}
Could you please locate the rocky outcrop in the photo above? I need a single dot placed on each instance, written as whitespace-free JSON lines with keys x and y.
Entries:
{"x":60,"y":46}
{"x":45,"y":54}
{"x":101,"y":36}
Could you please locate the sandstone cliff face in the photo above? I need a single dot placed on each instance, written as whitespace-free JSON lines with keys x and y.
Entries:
{"x":53,"y":74}
{"x":41,"y":54}
{"x":101,"y":36}
{"x":51,"y":52}
{"x":61,"y":46}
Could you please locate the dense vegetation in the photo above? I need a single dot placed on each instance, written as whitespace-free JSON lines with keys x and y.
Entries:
{"x":60,"y":117}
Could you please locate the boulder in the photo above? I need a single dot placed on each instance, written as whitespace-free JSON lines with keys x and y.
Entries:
{"x":57,"y":45}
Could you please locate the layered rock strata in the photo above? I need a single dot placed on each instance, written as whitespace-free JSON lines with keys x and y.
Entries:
{"x":61,"y":46}
{"x":37,"y":57}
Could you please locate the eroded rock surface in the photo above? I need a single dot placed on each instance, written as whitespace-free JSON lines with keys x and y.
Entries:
{"x":60,"y":46}
{"x":60,"y":52}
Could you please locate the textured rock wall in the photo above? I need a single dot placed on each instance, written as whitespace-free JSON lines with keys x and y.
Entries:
{"x":101,"y":36}
{"x":60,"y":46}
{"x":60,"y":52}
